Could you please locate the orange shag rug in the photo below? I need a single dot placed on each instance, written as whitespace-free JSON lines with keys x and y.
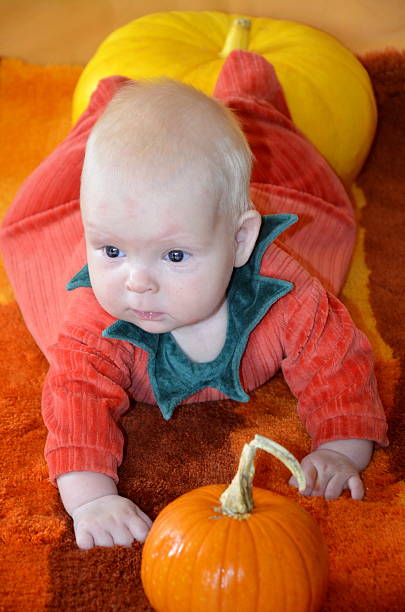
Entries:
{"x":40,"y":566}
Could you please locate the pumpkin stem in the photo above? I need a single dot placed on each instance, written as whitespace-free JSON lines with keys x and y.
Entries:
{"x":237,"y":499}
{"x":237,"y":37}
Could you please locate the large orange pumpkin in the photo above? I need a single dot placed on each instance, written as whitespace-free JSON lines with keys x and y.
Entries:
{"x":327,"y":89}
{"x":214,"y":550}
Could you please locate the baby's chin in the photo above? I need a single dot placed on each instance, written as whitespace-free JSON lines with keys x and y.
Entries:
{"x":153,"y":328}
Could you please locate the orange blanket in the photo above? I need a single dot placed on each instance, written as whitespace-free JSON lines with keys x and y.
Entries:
{"x":41,"y":567}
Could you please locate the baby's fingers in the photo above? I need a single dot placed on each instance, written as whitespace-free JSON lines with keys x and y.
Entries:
{"x":334,"y":486}
{"x":356,"y":486}
{"x":123,"y":536}
{"x":84,"y":540}
{"x":96,"y":536}
{"x":139,"y":526}
{"x":103,"y":538}
{"x":311,"y":476}
{"x":339,"y":482}
{"x":144,"y":517}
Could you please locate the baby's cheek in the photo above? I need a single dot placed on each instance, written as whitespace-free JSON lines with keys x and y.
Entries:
{"x":205,"y":300}
{"x":182,"y":298}
{"x":107,"y":295}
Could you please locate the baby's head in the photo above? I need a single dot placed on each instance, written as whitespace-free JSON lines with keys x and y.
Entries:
{"x":165,"y":205}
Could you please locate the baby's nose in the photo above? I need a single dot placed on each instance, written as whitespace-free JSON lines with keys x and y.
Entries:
{"x":141,"y":281}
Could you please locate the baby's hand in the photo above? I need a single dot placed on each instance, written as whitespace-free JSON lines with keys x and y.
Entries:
{"x":328,"y":473}
{"x":109,"y":521}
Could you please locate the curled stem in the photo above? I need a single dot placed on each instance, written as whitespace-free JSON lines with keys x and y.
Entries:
{"x":237,"y":499}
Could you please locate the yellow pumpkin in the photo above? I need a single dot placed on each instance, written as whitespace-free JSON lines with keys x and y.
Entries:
{"x":243,"y":549}
{"x":327,"y":89}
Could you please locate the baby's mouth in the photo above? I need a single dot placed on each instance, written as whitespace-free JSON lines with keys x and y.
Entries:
{"x":147,"y":315}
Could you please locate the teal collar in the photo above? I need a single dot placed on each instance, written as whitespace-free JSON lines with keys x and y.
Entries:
{"x":173,"y":376}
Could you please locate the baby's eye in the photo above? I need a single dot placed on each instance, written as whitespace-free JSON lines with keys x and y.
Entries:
{"x":112,"y":251}
{"x":177,"y":256}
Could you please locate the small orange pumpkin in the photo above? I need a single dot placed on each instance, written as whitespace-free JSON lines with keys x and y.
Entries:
{"x":237,"y":556}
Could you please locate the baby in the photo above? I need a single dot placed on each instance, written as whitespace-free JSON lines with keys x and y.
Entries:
{"x":187,"y":295}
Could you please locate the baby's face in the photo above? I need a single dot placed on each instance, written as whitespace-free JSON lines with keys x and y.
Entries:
{"x":159,"y":257}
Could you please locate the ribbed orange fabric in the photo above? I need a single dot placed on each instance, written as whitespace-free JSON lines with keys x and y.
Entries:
{"x":327,"y":362}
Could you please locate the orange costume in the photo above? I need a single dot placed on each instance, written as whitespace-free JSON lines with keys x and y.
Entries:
{"x":282,"y":308}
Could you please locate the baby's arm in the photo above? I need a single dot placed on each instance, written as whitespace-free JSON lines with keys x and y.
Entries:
{"x":329,"y":368}
{"x":100,"y":516}
{"x":86,"y":392}
{"x":335,"y":466}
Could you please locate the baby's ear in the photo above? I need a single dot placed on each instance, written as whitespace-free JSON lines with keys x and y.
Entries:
{"x":246,"y":236}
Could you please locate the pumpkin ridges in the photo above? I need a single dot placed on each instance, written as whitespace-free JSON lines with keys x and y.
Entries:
{"x":206,"y":75}
{"x":250,"y":529}
{"x":161,"y":567}
{"x":225,"y":533}
{"x":309,"y":595}
{"x":305,"y":532}
{"x":151,"y":566}
{"x":193,"y":572}
{"x":205,"y":554}
{"x":236,"y":556}
{"x":328,"y":142}
{"x":234,"y":561}
{"x":268,"y":540}
{"x":190,"y":526}
{"x":214,"y":26}
{"x":270,"y":509}
{"x":174,"y":23}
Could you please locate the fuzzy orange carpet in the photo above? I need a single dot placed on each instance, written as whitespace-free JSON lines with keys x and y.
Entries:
{"x":40,"y":566}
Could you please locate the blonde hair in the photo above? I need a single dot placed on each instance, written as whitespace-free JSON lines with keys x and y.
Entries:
{"x":163,"y":123}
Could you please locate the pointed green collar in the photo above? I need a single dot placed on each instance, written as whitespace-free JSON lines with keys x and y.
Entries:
{"x":173,"y":376}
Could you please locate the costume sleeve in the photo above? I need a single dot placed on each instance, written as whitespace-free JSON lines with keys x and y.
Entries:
{"x":328,"y":365}
{"x":83,"y":398}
